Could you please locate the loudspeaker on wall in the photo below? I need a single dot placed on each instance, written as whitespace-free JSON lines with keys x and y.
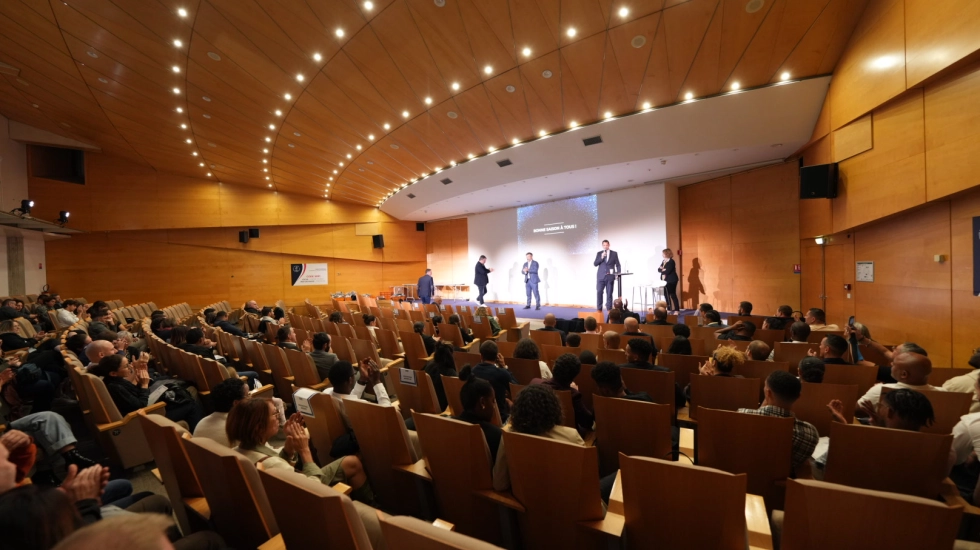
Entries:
{"x":243,"y":237}
{"x":379,"y":241}
{"x":253,"y":232}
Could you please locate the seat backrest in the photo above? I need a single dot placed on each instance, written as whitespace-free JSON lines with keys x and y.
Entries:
{"x":240,"y":510}
{"x":362,"y":332}
{"x":659,"y":385}
{"x":451,"y":333}
{"x":816,"y":336}
{"x":303,"y":369}
{"x":564,"y":398}
{"x":179,"y":477}
{"x":586,"y":385}
{"x":257,"y":354}
{"x":664,"y":343}
{"x":462,"y":358}
{"x":414,"y":349}
{"x":939,"y":376}
{"x":555,"y":498}
{"x":414,"y":390}
{"x":365,"y":349}
{"x":882,"y":459}
{"x":102,"y":407}
{"x":408,"y":533}
{"x":760,"y":446}
{"x":388,"y":342}
{"x":617,"y":356}
{"x":546,"y":337}
{"x":506,"y":318}
{"x":457,"y":457}
{"x":551,"y":353}
{"x":760,"y":370}
{"x":328,"y":518}
{"x":383,"y":439}
{"x":480,"y":326}
{"x":647,"y":433}
{"x":726,"y":393}
{"x":812,"y":405}
{"x":864,"y":376}
{"x":606,"y":327}
{"x":524,"y":370}
{"x":326,"y":424}
{"x":592,"y":342}
{"x":281,"y":375}
{"x":684,"y":366}
{"x":768,"y":336}
{"x":657,"y":331}
{"x":452,"y":386}
{"x":947,"y":408}
{"x":653,"y":521}
{"x":814,"y":519}
{"x":506,"y":348}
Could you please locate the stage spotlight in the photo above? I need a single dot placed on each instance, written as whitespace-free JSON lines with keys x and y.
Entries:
{"x":63,"y":217}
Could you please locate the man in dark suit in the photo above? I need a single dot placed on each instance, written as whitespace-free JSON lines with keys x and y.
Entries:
{"x":196,"y":343}
{"x":482,"y":280}
{"x":607,"y":262}
{"x":531,"y":280}
{"x":549,"y":326}
{"x":221,"y":321}
{"x":660,"y":317}
{"x":493,"y":369}
{"x":427,"y":287}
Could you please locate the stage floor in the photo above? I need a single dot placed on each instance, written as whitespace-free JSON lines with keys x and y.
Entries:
{"x":560,"y":312}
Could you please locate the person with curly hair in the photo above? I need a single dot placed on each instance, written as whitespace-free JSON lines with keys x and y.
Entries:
{"x":527,"y":349}
{"x":721,"y":363}
{"x":536,"y":411}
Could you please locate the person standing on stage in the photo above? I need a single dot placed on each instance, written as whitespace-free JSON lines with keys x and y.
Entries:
{"x":608,"y":263}
{"x":427,"y":287}
{"x":668,"y":273}
{"x":481,"y":281}
{"x":531,"y":280}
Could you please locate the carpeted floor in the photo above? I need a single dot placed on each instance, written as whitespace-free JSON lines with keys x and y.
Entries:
{"x":530,"y":314}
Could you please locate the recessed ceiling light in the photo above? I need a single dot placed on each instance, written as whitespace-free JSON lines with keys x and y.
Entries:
{"x":270,"y":185}
{"x":272,"y":126}
{"x":515,"y":141}
{"x":469,"y":156}
{"x":331,"y":178}
{"x":265,"y":169}
{"x":510,"y":89}
{"x":608,"y":114}
{"x":735,"y":85}
{"x":784,"y":76}
{"x":206,"y":98}
{"x":624,"y":11}
{"x":299,"y":78}
{"x":178,"y":43}
{"x":368,"y":6}
{"x":103,"y":80}
{"x":288,"y":97}
{"x":334,"y":171}
{"x":348,"y":155}
{"x":266,"y":151}
{"x":183,"y":126}
{"x":278,"y":112}
{"x":176,"y":90}
{"x":526,"y":52}
{"x":542,"y":133}
{"x":201,"y":164}
{"x":297,"y":134}
{"x":689,"y":96}
{"x":317,"y":57}
{"x":182,"y":12}
{"x":370,"y":137}
{"x":209,"y":174}
{"x":570,"y":32}
{"x":341,"y":164}
{"x":339,"y":33}
{"x":488,"y":69}
{"x":194,"y":153}
{"x":214,"y":56}
{"x":387,"y":126}
{"x":267,"y":177}
{"x":268,"y":140}
{"x":452,"y":114}
{"x":573,"y":124}
{"x":264,"y":161}
{"x":358,"y":147}
{"x":93,"y":55}
{"x":291,"y":144}
{"x":546,"y":74}
{"x":428,"y":101}
{"x":455,"y":85}
{"x":175,"y":69}
{"x":188,"y":140}
{"x":405,"y":114}
{"x":180,"y":110}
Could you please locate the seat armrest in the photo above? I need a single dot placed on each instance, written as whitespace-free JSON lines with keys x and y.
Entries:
{"x":952,"y":497}
{"x":502,"y":498}
{"x":156,"y":408}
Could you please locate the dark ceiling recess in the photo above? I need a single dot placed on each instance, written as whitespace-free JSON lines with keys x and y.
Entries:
{"x":595,"y":140}
{"x":505,"y":162}
{"x":411,"y":195}
{"x":446,"y":181}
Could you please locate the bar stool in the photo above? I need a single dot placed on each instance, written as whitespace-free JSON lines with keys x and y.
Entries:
{"x":656,"y":290}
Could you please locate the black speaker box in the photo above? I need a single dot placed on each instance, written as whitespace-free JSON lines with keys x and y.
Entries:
{"x":253,"y":232}
{"x":379,"y":241}
{"x":818,"y":182}
{"x":419,"y":226}
{"x":243,"y":236}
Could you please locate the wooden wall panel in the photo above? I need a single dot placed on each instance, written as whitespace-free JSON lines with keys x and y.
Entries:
{"x":952,"y":115}
{"x":767,"y":280}
{"x":909,"y":300}
{"x":706,"y":244}
{"x":853,"y":139}
{"x":840,"y":303}
{"x":937,"y":34}
{"x":447,"y":251}
{"x":462,"y":263}
{"x":402,"y":242}
{"x":965,"y":306}
{"x":890,"y":177}
{"x":872,"y":69}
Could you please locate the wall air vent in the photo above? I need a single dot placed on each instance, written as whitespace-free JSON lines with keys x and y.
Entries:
{"x":595,"y":140}
{"x":505,"y":162}
{"x":446,"y":181}
{"x":411,"y":195}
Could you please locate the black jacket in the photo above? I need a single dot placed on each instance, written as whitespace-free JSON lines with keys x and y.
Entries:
{"x":231,"y":329}
{"x":198,"y":350}
{"x":490,"y":432}
{"x":7,"y":313}
{"x":12,"y":341}
{"x":553,"y":329}
{"x":500,"y":379}
{"x":127,"y":396}
{"x":668,"y":272}
{"x":481,"y":275}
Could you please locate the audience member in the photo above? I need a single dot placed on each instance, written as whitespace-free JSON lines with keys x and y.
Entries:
{"x":799,"y":333}
{"x":611,"y":340}
{"x":483,"y":312}
{"x":322,"y":355}
{"x":286,"y":337}
{"x":527,"y":349}
{"x":721,"y":363}
{"x":615,"y":317}
{"x":442,"y":364}
{"x":965,"y":468}
{"x":196,"y":343}
{"x":428,"y":341}
{"x":812,"y":370}
{"x":67,"y":315}
{"x":478,"y":401}
{"x":573,"y":340}
{"x":681,"y":330}
{"x":224,"y":396}
{"x":252,"y":307}
{"x":817,"y":319}
{"x":782,"y":389}
{"x":785,"y":312}
{"x":221,"y":321}
{"x":741,"y":331}
{"x":639,"y":354}
{"x":587,"y":357}
{"x":660,"y":317}
{"x":128,"y":386}
{"x":493,"y":369}
{"x":549,"y":326}
{"x":773,"y":323}
{"x":567,"y":367}
{"x":465,"y":333}
{"x":344,"y":386}
{"x":702,"y":309}
{"x":832,"y":349}
{"x":12,"y":337}
{"x":910,"y":369}
{"x":632,"y":327}
{"x":591,"y":326}
{"x":966,"y":382}
{"x":609,"y":383}
{"x":744,"y":309}
{"x":680,"y":346}
{"x":757,"y":350}
{"x":712,"y":319}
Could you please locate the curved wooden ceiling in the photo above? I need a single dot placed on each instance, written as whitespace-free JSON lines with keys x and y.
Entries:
{"x":391,"y":90}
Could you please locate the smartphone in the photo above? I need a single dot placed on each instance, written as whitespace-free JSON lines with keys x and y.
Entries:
{"x":850,"y":321}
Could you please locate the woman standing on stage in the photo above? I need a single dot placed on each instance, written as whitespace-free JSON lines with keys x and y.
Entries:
{"x":668,"y":273}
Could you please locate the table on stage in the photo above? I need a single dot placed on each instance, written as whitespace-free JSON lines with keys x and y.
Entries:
{"x":619,"y":281}
{"x":456,"y":287}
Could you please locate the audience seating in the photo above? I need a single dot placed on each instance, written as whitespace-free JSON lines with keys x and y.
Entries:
{"x":812,"y":405}
{"x":698,"y":346}
{"x":452,"y":385}
{"x":506,"y":347}
{"x":862,"y":376}
{"x":823,"y":515}
{"x":659,"y":385}
{"x":508,"y":324}
{"x":760,"y":446}
{"x":939,"y":376}
{"x":304,"y":370}
{"x":723,"y":392}
{"x":760,"y":370}
{"x":793,"y":353}
{"x":415,"y":354}
{"x":420,"y":397}
{"x":179,"y":478}
{"x":684,"y":366}
{"x":564,"y":397}
{"x":881,"y":459}
{"x":462,"y":358}
{"x":586,"y":385}
{"x":646,"y":433}
{"x":120,"y":436}
{"x":524,"y":370}
{"x":325,"y":426}
{"x":617,"y":356}
{"x":947,"y":407}
{"x":592,"y":342}
{"x":408,"y":533}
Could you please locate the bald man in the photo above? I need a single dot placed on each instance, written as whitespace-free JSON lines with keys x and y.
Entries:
{"x":549,"y":326}
{"x":611,"y":339}
{"x":99,"y":349}
{"x":632,"y":327}
{"x":910,"y":369}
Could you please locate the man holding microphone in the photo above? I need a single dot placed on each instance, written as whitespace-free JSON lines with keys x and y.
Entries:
{"x":607,"y":262}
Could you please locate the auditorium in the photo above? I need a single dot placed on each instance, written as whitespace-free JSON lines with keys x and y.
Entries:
{"x":478,"y":274}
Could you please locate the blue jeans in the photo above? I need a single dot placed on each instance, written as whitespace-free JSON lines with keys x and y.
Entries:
{"x":50,"y":431}
{"x":426,"y":299}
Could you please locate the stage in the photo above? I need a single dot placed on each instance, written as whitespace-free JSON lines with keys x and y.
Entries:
{"x":560,"y":312}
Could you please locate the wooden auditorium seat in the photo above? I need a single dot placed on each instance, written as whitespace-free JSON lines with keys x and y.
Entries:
{"x":684,"y":366}
{"x":546,"y":337}
{"x":304,"y":370}
{"x":524,"y":370}
{"x":564,"y":397}
{"x":812,"y":405}
{"x":179,"y":478}
{"x":947,"y":407}
{"x":408,"y":533}
{"x":646,"y":433}
{"x":861,"y":375}
{"x":659,"y":385}
{"x":725,"y":393}
{"x":121,"y":437}
{"x":420,"y":396}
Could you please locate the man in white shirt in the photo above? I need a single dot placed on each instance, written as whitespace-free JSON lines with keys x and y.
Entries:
{"x":817,"y":319}
{"x":223,"y":398}
{"x":967,"y":382}
{"x":66,"y":315}
{"x":910,"y":369}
